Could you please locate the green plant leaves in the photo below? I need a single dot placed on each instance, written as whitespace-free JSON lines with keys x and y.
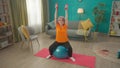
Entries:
{"x":99,"y":14}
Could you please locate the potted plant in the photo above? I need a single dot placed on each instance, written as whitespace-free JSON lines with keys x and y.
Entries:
{"x":99,"y":14}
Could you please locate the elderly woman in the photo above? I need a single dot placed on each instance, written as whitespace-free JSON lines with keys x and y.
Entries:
{"x":61,"y":33}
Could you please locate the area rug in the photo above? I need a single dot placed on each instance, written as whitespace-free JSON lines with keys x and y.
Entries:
{"x":107,"y":50}
{"x":82,"y":60}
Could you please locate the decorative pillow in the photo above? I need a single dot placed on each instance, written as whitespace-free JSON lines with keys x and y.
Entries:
{"x":87,"y":24}
{"x":51,"y":24}
{"x":25,"y":31}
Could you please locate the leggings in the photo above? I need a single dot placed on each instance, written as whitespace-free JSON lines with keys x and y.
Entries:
{"x":67,"y":45}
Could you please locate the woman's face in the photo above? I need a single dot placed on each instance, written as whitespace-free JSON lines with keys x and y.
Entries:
{"x":61,"y":20}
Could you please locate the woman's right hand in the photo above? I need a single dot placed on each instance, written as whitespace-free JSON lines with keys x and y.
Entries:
{"x":66,"y":7}
{"x":56,"y":6}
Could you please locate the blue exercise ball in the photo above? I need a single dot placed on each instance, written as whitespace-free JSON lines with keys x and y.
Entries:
{"x":61,"y":52}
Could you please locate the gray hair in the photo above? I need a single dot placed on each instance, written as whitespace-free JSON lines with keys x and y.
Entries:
{"x":61,"y":17}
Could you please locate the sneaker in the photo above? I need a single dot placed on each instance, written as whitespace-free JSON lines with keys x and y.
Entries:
{"x":72,"y":58}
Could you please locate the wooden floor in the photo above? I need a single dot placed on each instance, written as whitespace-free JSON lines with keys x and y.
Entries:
{"x":15,"y":57}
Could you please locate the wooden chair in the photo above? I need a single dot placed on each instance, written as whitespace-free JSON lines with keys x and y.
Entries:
{"x":26,"y":37}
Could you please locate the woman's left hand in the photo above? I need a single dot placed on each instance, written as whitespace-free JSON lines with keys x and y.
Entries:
{"x":66,"y":7}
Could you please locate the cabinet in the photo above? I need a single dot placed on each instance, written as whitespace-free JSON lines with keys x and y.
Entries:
{"x":115,"y":19}
{"x":6,"y":34}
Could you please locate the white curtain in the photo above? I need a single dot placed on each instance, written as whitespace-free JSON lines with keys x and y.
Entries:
{"x":34,"y":10}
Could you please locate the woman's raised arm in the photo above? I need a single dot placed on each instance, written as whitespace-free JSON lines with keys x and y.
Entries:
{"x":66,"y":14}
{"x":55,"y":15}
